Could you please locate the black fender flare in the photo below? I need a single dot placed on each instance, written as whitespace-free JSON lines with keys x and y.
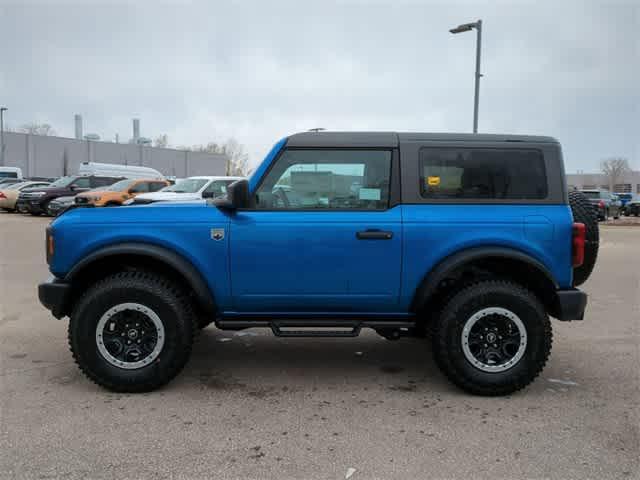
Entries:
{"x":437,"y":274}
{"x":184,"y":267}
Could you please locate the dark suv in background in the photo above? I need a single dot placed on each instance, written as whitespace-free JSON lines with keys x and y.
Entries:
{"x":36,"y":200}
{"x":632,"y":207}
{"x":604,"y":203}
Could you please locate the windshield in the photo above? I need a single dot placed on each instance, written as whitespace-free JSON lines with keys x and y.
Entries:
{"x":186,"y":185}
{"x":62,"y":182}
{"x":120,"y":186}
{"x":8,"y":175}
{"x":591,"y":195}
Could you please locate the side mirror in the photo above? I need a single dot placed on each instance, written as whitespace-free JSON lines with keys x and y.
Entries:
{"x":206,"y":194}
{"x":237,"y":196}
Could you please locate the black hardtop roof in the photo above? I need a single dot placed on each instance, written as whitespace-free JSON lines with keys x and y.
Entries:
{"x":392,"y":139}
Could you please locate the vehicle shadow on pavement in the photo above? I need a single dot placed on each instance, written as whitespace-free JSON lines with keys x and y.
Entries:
{"x":232,"y":360}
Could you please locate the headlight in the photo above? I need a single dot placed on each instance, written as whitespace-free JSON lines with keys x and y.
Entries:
{"x":38,"y":194}
{"x":128,"y":202}
{"x":96,"y":199}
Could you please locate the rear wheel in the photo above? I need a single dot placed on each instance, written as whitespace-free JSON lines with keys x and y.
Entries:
{"x":132,"y":332}
{"x":492,"y":338}
{"x":583,"y":213}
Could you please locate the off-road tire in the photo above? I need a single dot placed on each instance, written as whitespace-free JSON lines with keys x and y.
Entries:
{"x":583,"y":213}
{"x":153,"y":291}
{"x":447,"y":337}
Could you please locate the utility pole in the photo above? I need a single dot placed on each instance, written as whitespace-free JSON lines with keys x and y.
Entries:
{"x":2,"y":110}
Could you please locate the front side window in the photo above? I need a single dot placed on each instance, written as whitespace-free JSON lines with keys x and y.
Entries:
{"x":187,"y":185}
{"x":140,"y":187}
{"x":120,"y":186}
{"x":62,"y":182}
{"x":482,"y":174}
{"x":103,"y":181}
{"x":82,"y":182}
{"x":217,"y":188}
{"x":155,"y":186}
{"x":327,"y":179}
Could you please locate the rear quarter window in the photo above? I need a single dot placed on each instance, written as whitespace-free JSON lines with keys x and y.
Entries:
{"x":482,"y":174}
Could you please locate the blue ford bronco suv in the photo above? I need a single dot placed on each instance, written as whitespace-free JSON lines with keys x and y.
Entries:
{"x":472,"y":241}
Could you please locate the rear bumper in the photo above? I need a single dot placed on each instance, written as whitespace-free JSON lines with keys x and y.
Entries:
{"x":54,"y":296}
{"x":571,"y":304}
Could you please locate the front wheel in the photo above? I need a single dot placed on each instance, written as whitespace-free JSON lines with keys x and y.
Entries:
{"x":492,"y":338}
{"x":47,"y":210}
{"x":132,"y":332}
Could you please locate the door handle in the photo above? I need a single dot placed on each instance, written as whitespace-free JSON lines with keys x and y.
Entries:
{"x":374,"y":235}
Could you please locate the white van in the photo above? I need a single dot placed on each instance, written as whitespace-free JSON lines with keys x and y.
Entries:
{"x":120,"y":171}
{"x":10,"y":172}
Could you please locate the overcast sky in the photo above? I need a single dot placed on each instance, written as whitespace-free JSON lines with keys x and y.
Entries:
{"x":207,"y":71}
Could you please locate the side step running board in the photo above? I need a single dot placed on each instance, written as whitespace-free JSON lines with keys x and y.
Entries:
{"x":316,"y":327}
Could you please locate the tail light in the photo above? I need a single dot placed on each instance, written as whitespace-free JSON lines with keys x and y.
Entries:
{"x":579,"y":233}
{"x":601,"y":203}
{"x":49,"y":245}
{"x":2,"y":195}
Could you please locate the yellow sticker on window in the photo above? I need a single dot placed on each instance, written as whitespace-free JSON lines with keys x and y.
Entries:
{"x":433,"y":181}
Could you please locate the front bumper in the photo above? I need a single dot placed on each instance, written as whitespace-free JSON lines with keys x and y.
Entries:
{"x":54,"y":295}
{"x":570,"y":304}
{"x":34,"y":206}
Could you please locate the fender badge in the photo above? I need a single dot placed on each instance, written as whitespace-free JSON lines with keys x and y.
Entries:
{"x":217,"y":233}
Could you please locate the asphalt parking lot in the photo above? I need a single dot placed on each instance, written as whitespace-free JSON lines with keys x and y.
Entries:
{"x":249,"y":405}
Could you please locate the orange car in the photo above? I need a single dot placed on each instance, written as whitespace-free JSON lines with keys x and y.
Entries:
{"x":119,"y":192}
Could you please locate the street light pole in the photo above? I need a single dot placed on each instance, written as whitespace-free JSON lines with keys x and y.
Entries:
{"x":2,"y":110}
{"x":476,"y":100}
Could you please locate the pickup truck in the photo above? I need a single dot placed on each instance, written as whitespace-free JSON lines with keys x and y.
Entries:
{"x":470,"y":240}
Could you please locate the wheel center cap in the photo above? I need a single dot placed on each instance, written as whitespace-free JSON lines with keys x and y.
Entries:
{"x":133,"y":334}
{"x":491,"y":337}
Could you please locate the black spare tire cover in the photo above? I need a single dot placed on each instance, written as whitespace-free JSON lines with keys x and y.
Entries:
{"x":583,"y":213}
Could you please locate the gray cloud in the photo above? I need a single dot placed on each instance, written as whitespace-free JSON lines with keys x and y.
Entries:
{"x":202,"y":71}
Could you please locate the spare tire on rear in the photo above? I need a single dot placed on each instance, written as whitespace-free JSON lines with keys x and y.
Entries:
{"x":583,"y":213}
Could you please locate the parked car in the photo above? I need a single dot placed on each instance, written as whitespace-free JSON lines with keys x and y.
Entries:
{"x":471,"y":237}
{"x":6,"y":181}
{"x":624,"y":197}
{"x":192,"y":188}
{"x":119,"y":192}
{"x":60,"y":204}
{"x":36,"y":200}
{"x":119,"y":171}
{"x":604,"y":203}
{"x":11,"y":172}
{"x":9,"y":194}
{"x":633,"y":206}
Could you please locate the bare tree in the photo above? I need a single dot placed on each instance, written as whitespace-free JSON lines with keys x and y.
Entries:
{"x":162,"y":141}
{"x":237,"y":157}
{"x":35,"y":128}
{"x":614,"y":169}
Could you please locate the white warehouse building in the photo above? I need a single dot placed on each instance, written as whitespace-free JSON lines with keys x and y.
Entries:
{"x":628,"y":183}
